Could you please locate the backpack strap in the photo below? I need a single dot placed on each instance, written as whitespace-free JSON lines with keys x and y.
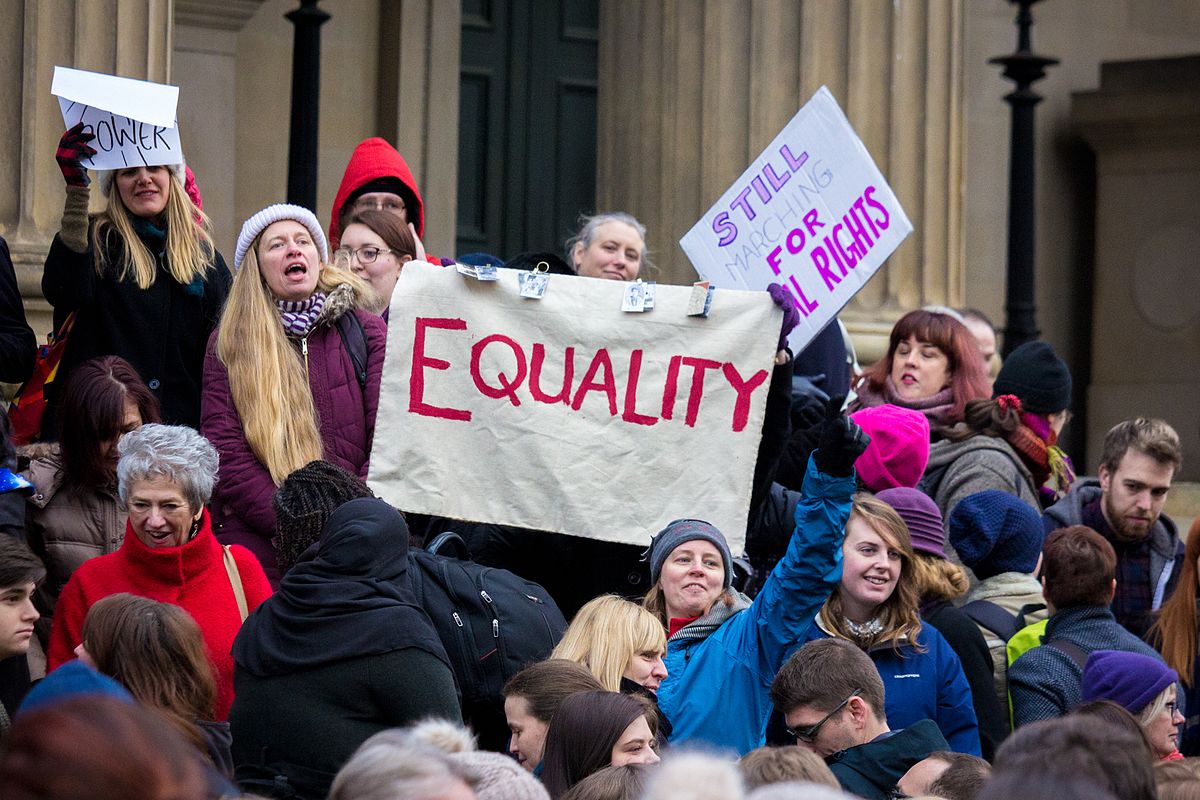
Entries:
{"x":354,"y":338}
{"x":235,"y":580}
{"x":449,"y":540}
{"x":997,"y":620}
{"x":1072,"y":650}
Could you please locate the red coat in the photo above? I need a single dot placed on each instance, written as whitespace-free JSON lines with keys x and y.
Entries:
{"x":191,"y":576}
{"x":373,"y":159}
{"x":241,"y":502}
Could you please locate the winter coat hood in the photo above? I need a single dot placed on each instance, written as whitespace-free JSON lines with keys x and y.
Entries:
{"x":373,"y":159}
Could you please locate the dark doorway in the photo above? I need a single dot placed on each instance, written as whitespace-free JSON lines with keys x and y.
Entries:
{"x":527,"y":123}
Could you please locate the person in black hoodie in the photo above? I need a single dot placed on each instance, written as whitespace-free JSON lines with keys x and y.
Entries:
{"x":342,"y":651}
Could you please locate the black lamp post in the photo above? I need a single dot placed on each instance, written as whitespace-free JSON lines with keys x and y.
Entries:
{"x":1022,"y":68}
{"x":306,"y":105}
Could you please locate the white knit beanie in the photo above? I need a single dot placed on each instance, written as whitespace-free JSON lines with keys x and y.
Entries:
{"x":104,"y":177}
{"x":269,"y":216}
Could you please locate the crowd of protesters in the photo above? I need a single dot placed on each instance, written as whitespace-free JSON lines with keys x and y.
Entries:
{"x":201,"y":597}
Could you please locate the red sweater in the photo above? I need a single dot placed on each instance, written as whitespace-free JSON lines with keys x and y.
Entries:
{"x":191,"y":576}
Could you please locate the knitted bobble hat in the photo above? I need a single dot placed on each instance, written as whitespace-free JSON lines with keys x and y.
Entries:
{"x":1131,"y":680}
{"x":687,"y":530}
{"x":269,"y":216}
{"x":500,"y":777}
{"x":105,"y":177}
{"x":922,"y":517}
{"x":994,"y":532}
{"x":899,"y":448}
{"x":1036,"y":375}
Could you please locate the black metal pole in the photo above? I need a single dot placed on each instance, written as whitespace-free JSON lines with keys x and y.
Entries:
{"x":306,"y":104}
{"x":1022,"y":68}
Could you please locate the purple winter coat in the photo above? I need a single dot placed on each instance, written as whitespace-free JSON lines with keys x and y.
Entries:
{"x":241,"y":503}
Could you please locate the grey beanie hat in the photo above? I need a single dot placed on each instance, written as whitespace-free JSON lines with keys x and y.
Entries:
{"x":687,"y":530}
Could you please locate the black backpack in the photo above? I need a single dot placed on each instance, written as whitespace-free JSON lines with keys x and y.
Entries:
{"x":492,"y":623}
{"x":996,"y":619}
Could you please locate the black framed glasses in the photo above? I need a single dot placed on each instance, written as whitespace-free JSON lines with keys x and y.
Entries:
{"x":809,"y":734}
{"x":365,"y":254}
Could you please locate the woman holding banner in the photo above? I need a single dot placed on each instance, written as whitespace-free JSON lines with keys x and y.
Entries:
{"x":291,"y":375}
{"x":610,"y":246}
{"x":142,"y":279}
{"x":724,"y":650}
{"x":932,"y":366}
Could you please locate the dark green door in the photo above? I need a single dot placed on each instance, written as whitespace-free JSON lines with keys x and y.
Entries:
{"x":527,"y":123}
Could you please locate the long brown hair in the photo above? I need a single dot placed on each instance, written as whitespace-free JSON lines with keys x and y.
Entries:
{"x":968,"y":378}
{"x":157,"y":652}
{"x":900,"y":613}
{"x":1174,"y":632}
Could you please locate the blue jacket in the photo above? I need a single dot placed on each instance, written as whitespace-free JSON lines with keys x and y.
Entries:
{"x":929,"y":685}
{"x":720,"y":667}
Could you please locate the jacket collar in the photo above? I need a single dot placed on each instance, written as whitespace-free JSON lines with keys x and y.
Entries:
{"x":171,"y":566}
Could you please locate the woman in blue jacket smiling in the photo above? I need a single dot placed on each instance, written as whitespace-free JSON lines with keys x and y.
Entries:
{"x":875,"y":606}
{"x":722,"y":649}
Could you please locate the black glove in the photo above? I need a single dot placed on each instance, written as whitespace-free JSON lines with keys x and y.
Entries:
{"x":841,"y":441}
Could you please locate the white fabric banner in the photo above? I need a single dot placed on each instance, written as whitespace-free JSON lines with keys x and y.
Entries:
{"x":567,"y":414}
{"x":812,"y":213}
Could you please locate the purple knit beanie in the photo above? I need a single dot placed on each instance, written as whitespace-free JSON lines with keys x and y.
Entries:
{"x":1131,"y":680}
{"x":922,"y":517}
{"x":899,"y":448}
{"x":994,"y":532}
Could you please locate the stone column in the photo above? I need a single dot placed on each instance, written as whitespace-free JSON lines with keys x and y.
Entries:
{"x":692,"y":90}
{"x":418,"y":103}
{"x":1144,"y":125}
{"x":131,"y":38}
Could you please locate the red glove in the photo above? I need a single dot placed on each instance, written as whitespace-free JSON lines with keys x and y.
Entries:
{"x":73,"y":148}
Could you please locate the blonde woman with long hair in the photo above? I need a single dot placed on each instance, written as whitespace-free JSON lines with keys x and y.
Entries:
{"x":876,"y":606}
{"x":622,"y":644}
{"x":291,"y":375}
{"x":142,"y":278}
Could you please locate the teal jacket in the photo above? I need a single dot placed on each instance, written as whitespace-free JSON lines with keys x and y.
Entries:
{"x":720,"y":667}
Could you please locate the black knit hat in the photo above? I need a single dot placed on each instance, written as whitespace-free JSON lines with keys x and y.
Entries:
{"x":303,"y":504}
{"x":1037,"y":376}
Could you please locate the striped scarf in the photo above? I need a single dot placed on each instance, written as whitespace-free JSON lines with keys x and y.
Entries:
{"x":299,"y":316}
{"x":1037,"y":444}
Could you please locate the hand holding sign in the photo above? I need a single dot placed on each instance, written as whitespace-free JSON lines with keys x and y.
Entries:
{"x":72,"y":150}
{"x":131,"y":123}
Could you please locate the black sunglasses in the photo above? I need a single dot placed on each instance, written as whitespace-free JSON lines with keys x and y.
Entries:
{"x":807,"y":735}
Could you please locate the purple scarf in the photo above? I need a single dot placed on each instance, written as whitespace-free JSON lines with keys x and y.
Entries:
{"x":299,"y":316}
{"x":937,"y":409}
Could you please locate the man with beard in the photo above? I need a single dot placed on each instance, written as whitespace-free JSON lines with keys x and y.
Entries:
{"x":1141,"y":457}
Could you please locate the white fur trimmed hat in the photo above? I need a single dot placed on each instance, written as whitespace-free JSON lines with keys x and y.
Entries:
{"x":276,"y":213}
{"x":104,"y":177}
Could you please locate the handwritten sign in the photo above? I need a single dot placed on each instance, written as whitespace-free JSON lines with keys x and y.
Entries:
{"x":812,"y":213}
{"x":565,"y":414}
{"x":133,"y":121}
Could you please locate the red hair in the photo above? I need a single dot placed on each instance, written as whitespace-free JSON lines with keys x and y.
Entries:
{"x":1174,"y":632}
{"x":968,"y":378}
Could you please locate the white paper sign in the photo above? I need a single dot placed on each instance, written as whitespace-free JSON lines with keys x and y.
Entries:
{"x":133,"y":121}
{"x":567,"y":414}
{"x":812,"y":213}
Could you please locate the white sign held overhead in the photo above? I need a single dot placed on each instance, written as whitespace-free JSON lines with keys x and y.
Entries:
{"x":812,"y":213}
{"x":133,"y":121}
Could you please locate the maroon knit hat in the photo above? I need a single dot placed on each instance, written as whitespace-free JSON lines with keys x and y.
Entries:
{"x":921,"y":515}
{"x":899,"y":448}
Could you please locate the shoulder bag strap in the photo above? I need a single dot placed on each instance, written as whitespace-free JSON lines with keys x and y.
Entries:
{"x":235,"y":580}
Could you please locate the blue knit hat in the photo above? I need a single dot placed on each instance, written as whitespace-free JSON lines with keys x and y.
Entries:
{"x":1131,"y":680}
{"x":994,"y":532}
{"x":71,"y":680}
{"x":687,"y":530}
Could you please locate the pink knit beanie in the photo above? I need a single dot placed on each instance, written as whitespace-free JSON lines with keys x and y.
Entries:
{"x":899,"y":448}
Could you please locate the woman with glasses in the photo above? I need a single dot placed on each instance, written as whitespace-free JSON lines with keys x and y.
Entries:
{"x":876,"y":606}
{"x":284,"y":382}
{"x":1143,"y":686}
{"x":375,"y":246}
{"x":1010,"y":442}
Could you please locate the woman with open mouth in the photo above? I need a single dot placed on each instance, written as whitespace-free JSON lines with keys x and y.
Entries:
{"x":291,"y":375}
{"x":141,"y":280}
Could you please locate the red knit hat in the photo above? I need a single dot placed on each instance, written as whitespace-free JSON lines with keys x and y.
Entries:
{"x":899,"y":448}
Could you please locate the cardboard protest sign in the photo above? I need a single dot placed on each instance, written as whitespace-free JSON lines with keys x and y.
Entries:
{"x":812,"y":213}
{"x":566,"y":414}
{"x":133,"y":121}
